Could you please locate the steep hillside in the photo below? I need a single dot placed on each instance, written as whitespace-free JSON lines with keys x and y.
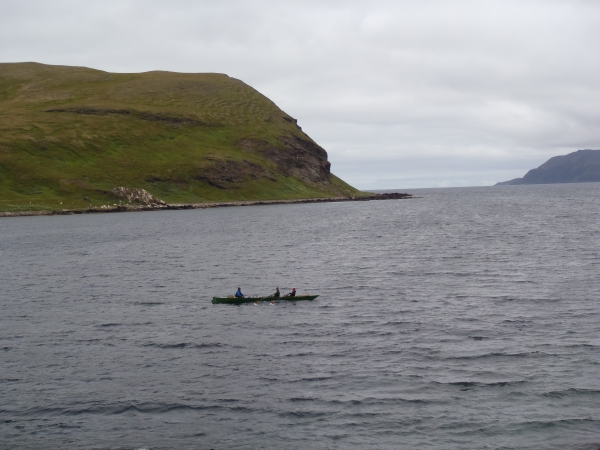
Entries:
{"x":582,"y":166}
{"x":69,"y":135}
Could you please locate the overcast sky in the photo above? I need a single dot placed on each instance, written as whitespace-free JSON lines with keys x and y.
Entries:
{"x":402,"y":94}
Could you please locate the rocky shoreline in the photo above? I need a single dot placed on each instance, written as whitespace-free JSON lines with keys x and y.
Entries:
{"x":179,"y":206}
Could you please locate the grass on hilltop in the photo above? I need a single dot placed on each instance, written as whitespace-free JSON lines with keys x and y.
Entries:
{"x":158,"y":131}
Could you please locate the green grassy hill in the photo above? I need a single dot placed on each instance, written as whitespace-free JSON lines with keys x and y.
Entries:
{"x":69,"y":135}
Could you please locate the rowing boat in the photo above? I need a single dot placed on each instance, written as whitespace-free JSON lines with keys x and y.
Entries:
{"x":237,"y":300}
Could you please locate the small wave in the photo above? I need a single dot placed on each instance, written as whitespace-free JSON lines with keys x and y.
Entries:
{"x":383,"y":401}
{"x":571,"y":392}
{"x":312,"y":379}
{"x":7,"y":348}
{"x":588,"y":446}
{"x":497,"y":355}
{"x":66,"y":425}
{"x":117,"y":409}
{"x":393,"y":352}
{"x":398,"y":322}
{"x":481,"y":384}
{"x":517,"y":321}
{"x":183,"y":345}
{"x":590,"y":346}
{"x":503,"y":298}
{"x":302,"y":414}
{"x":336,"y":437}
{"x":148,"y":303}
{"x":106,"y":325}
{"x":543,"y":424}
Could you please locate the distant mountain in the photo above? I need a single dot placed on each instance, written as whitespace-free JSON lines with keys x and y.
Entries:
{"x":582,"y":166}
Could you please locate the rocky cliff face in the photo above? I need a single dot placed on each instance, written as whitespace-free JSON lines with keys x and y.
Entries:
{"x":296,"y":156}
{"x":582,"y":166}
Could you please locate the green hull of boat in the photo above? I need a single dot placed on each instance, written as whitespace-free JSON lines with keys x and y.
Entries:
{"x":237,"y":301}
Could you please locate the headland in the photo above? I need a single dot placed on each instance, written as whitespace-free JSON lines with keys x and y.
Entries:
{"x":70,"y":136}
{"x":582,"y":166}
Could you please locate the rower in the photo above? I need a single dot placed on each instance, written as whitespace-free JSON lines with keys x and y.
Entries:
{"x":292,"y":294}
{"x":239,"y":294}
{"x":277,"y":294}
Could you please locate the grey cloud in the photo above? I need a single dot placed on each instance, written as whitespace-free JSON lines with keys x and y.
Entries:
{"x":435,"y":92}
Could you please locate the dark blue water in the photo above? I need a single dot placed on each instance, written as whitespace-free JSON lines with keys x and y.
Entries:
{"x":467,"y":319}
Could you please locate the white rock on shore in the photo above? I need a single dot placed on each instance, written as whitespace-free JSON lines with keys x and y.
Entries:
{"x":137,"y":196}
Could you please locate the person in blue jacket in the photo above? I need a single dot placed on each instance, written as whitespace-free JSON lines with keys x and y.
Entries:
{"x":239,"y":294}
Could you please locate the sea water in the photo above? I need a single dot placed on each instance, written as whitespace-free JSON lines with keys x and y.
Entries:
{"x":464,"y":319}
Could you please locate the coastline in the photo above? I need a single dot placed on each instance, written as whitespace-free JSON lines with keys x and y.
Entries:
{"x":180,"y":206}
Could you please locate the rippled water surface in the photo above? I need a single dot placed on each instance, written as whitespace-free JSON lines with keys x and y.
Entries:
{"x":466,"y":319}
